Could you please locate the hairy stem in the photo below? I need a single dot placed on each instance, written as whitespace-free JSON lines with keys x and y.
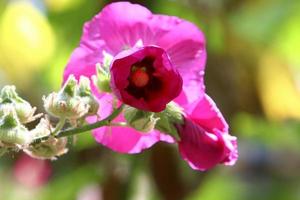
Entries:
{"x":75,"y":131}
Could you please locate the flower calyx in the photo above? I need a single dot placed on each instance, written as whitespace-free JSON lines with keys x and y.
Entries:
{"x":140,"y":120}
{"x":169,"y":118}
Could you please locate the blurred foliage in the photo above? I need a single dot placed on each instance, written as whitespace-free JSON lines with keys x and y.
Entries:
{"x":253,"y":73}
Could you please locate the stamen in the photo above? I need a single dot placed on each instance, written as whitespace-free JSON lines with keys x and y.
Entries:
{"x":139,"y":77}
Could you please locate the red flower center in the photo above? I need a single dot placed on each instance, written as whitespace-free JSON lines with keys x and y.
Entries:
{"x":139,"y":77}
{"x":142,"y":83}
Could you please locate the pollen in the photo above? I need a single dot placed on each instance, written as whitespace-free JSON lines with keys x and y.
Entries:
{"x":139,"y":77}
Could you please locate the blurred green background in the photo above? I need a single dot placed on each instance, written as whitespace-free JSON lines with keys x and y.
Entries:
{"x":253,"y":74}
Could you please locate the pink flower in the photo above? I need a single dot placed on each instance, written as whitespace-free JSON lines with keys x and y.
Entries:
{"x":122,"y":26}
{"x":132,"y":35}
{"x":32,"y":172}
{"x":145,"y":78}
{"x":204,"y":136}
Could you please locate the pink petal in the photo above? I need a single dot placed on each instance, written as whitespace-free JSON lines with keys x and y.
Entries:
{"x":122,"y":25}
{"x":124,"y":139}
{"x":82,"y":63}
{"x":202,"y":150}
{"x":205,"y":141}
{"x":128,"y":140}
{"x":208,"y":115}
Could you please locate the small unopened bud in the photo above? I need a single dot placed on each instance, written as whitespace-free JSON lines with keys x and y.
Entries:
{"x":48,"y":149}
{"x":84,"y":91}
{"x":65,"y":103}
{"x":10,"y":98}
{"x":169,"y":118}
{"x":12,"y":131}
{"x":102,"y":80}
{"x":140,"y":120}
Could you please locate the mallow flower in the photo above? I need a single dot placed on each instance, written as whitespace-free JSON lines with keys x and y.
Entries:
{"x":155,"y":59}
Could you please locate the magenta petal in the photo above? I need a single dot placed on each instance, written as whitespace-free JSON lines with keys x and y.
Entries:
{"x":124,"y":139}
{"x":205,"y":141}
{"x":82,"y":63}
{"x":128,"y":140}
{"x":202,"y":150}
{"x":208,"y":115}
{"x":123,"y":24}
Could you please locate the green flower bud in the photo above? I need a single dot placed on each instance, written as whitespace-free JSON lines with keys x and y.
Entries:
{"x":12,"y":131}
{"x":140,"y":120}
{"x":65,"y":103}
{"x":102,"y":80}
{"x":84,"y":91}
{"x":172,"y":115}
{"x":48,"y":149}
{"x":10,"y":98}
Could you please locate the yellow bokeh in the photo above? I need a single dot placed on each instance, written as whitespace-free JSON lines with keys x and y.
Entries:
{"x":27,"y":41}
{"x":61,"y":5}
{"x":278,"y":92}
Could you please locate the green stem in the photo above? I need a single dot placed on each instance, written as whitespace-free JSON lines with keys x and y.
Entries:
{"x":74,"y":131}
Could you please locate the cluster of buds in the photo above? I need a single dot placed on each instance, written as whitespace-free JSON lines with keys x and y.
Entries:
{"x":73,"y":102}
{"x":15,"y":112}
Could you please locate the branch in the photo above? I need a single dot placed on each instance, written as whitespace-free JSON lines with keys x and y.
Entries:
{"x":75,"y":131}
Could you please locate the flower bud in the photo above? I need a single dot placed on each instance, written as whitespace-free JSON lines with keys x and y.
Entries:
{"x":65,"y":103}
{"x":172,"y":115}
{"x":102,"y":80}
{"x":140,"y":120}
{"x":48,"y":149}
{"x":84,"y":91}
{"x":12,"y":131}
{"x":9,"y":98}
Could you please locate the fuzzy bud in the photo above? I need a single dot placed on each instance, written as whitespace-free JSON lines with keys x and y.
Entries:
{"x":12,"y":131}
{"x":10,"y":98}
{"x":65,"y":103}
{"x":140,"y":120}
{"x":172,"y":115}
{"x":48,"y":149}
